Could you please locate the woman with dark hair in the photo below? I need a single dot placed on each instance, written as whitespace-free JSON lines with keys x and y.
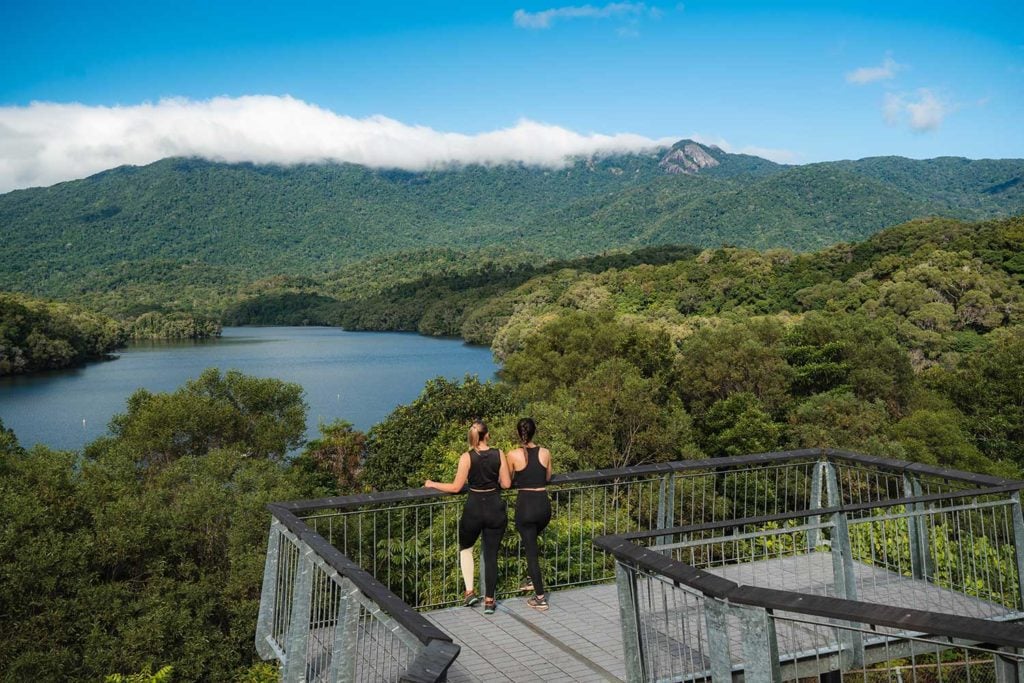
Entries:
{"x":485,"y":469}
{"x":531,"y":471}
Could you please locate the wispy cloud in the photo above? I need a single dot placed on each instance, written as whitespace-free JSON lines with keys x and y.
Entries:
{"x":545,"y":19}
{"x":923,"y":111}
{"x":44,"y":143}
{"x":871,"y":74}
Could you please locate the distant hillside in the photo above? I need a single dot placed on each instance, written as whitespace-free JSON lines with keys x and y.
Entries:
{"x":180,"y":234}
{"x":39,"y":335}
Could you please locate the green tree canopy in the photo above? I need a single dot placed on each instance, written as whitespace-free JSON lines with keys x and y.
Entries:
{"x":265,"y":417}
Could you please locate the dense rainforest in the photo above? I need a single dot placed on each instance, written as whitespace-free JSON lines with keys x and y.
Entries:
{"x":197,"y":236}
{"x":146,"y":549}
{"x":40,"y":335}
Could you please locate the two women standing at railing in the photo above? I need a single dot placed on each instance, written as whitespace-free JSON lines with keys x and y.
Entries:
{"x":485,"y":469}
{"x":531,"y":471}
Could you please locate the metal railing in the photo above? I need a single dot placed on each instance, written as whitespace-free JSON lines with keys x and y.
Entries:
{"x":385,"y":555}
{"x":325,"y":619}
{"x":407,"y":539}
{"x":789,"y":595}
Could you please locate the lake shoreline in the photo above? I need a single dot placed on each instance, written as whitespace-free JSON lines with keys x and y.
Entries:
{"x":358,"y":376}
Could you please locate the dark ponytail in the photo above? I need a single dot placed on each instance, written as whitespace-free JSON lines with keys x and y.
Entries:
{"x":526,"y":428}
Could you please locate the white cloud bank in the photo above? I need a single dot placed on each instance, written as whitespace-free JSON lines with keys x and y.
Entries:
{"x":870,"y":74}
{"x":922,"y":112}
{"x":45,"y":143}
{"x":545,"y":18}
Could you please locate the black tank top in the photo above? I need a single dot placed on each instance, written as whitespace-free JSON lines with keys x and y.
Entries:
{"x":483,"y":468}
{"x":534,"y":475}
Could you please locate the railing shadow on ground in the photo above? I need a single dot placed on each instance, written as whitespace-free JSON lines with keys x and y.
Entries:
{"x":345,"y":577}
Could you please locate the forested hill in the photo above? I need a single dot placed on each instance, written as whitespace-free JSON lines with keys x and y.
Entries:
{"x":940,"y":282}
{"x":194,"y":224}
{"x":40,"y":335}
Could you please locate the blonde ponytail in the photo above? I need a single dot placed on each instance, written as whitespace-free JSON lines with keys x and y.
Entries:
{"x":477,"y":432}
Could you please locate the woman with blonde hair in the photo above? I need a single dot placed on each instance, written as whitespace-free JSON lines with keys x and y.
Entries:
{"x":486,"y":470}
{"x":531,"y":471}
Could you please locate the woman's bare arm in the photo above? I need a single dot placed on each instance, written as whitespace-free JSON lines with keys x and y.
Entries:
{"x":504,"y":471}
{"x":461,"y":475}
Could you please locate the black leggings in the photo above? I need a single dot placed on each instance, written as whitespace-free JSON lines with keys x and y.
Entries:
{"x":533,"y":512}
{"x":486,"y":513}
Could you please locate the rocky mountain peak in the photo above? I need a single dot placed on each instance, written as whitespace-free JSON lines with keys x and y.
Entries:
{"x":687,"y":157}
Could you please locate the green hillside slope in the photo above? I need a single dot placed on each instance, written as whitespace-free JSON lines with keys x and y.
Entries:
{"x":187,"y":234}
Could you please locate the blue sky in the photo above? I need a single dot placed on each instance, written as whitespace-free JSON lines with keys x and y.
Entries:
{"x":937,"y":78}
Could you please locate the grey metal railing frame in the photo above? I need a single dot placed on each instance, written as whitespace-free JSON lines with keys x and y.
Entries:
{"x":755,"y":607}
{"x":437,"y":652}
{"x":430,"y":663}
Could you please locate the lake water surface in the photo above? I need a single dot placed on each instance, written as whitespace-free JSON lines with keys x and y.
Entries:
{"x":356,"y":376}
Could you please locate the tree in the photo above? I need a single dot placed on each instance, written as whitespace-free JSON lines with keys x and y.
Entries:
{"x":937,"y":437}
{"x":396,"y":445}
{"x":114,"y":562}
{"x":45,"y":562}
{"x":839,"y":419}
{"x":573,"y":344}
{"x":738,"y":425}
{"x":336,"y":458}
{"x":988,"y":388}
{"x":614,"y":417}
{"x":737,"y":357}
{"x":266,"y":417}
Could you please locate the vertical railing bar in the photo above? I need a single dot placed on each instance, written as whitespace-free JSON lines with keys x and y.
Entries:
{"x":298,"y":627}
{"x":269,"y":594}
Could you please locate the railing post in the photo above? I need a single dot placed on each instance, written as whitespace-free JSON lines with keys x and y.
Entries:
{"x":842,"y":557}
{"x":670,"y":506}
{"x":343,"y":660}
{"x":916,"y":529}
{"x":1009,"y":668}
{"x":718,"y":640}
{"x":852,"y":642}
{"x":1018,"y":543}
{"x":268,"y":594}
{"x":298,"y":627}
{"x":666,"y":501}
{"x":816,"y":486}
{"x":760,"y":646}
{"x":629,"y":616}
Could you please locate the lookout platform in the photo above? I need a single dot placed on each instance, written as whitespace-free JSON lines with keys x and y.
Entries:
{"x":774,"y":567}
{"x":580,"y":637}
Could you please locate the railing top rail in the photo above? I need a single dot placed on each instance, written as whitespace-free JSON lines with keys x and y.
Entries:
{"x":915,"y":467}
{"x":816,"y":512}
{"x":935,"y":623}
{"x":899,"y":466}
{"x":394,"y":606}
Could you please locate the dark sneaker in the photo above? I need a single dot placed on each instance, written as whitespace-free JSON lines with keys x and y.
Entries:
{"x":470,"y":598}
{"x":489,"y":606}
{"x":526,"y":585}
{"x":538,"y":602}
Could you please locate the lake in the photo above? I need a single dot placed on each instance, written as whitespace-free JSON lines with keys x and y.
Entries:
{"x":357,"y":376}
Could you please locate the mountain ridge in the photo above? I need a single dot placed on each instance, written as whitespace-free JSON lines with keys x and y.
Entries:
{"x":251,"y":221}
